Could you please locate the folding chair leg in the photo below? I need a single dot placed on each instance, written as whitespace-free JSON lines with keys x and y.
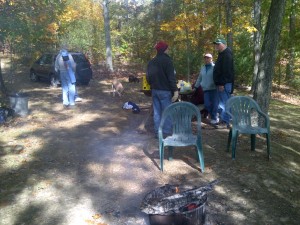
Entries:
{"x":201,"y":157}
{"x":161,"y":157}
{"x":196,"y":149}
{"x":253,"y":137}
{"x":229,"y":140}
{"x":234,"y":141}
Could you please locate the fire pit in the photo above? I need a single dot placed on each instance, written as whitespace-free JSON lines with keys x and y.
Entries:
{"x":174,"y":205}
{"x":191,"y":214}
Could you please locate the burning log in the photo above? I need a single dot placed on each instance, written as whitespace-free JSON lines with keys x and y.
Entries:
{"x":168,"y":200}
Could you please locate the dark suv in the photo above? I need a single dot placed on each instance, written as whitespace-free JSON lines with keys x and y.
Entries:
{"x":44,"y":68}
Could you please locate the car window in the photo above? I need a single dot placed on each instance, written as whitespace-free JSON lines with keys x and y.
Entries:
{"x":46,"y":59}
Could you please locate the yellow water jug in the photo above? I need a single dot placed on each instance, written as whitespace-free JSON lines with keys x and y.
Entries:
{"x":146,"y":85}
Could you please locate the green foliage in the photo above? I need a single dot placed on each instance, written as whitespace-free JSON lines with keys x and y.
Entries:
{"x":188,"y":26}
{"x":295,"y":83}
{"x":243,"y":58}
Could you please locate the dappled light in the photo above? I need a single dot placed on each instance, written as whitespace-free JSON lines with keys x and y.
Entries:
{"x":92,"y":164}
{"x":294,"y":165}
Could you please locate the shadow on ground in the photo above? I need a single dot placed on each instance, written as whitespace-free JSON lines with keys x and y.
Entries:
{"x":92,"y":165}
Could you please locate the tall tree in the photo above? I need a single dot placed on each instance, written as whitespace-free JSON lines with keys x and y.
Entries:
{"x":228,"y":8}
{"x":292,"y":41}
{"x":2,"y":85}
{"x":256,"y":38}
{"x":263,"y":83}
{"x":109,"y":62}
{"x":157,"y":6}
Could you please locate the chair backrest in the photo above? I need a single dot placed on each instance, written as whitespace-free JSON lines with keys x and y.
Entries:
{"x":181,"y":114}
{"x":243,"y":110}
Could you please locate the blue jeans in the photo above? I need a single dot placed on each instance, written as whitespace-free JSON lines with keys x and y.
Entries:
{"x":68,"y":89}
{"x":223,"y":97}
{"x":76,"y":94}
{"x":211,"y":102}
{"x":161,"y":100}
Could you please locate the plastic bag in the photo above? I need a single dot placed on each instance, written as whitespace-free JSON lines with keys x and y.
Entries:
{"x":184,"y":86}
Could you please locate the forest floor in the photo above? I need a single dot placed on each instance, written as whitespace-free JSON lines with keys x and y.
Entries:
{"x":94,"y":165}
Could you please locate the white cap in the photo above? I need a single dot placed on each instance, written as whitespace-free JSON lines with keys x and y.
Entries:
{"x":208,"y":55}
{"x":64,"y":52}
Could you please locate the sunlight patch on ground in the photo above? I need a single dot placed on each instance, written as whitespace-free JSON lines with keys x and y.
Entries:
{"x":96,"y":168}
{"x":18,"y":152}
{"x":119,"y":167}
{"x":220,"y":190}
{"x":78,"y":208}
{"x":291,"y":149}
{"x":71,"y":123}
{"x":108,"y":130}
{"x":240,"y":200}
{"x":83,"y":213}
{"x":294,"y":165}
{"x":237,"y":216}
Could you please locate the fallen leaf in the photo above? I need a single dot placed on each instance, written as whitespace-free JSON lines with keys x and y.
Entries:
{"x":243,"y":169}
{"x":96,"y":216}
{"x":90,"y":222}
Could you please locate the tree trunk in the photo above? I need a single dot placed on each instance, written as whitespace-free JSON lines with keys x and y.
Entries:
{"x":188,"y":54}
{"x":291,"y":43}
{"x":157,"y":19}
{"x":107,"y":36}
{"x":220,"y":17}
{"x":229,"y":23}
{"x":263,"y":83}
{"x":2,"y":86}
{"x":256,"y":39}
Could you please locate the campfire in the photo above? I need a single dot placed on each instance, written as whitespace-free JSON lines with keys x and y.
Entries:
{"x":172,"y":202}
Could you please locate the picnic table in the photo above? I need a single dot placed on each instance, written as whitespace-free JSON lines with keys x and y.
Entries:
{"x":186,"y":96}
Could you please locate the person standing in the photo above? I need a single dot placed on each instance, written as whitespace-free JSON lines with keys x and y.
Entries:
{"x":206,"y":81}
{"x":161,"y":77}
{"x":65,"y":64}
{"x":223,"y":77}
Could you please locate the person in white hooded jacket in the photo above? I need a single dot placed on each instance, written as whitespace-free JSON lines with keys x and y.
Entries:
{"x":65,"y":65}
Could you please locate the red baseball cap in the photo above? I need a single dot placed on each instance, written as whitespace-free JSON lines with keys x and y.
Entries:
{"x":161,"y":46}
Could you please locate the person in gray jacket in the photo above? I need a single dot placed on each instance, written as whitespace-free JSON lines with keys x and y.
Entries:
{"x":206,"y":80}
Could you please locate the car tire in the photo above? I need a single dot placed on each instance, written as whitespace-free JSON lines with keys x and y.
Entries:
{"x":85,"y":82}
{"x":33,"y":76}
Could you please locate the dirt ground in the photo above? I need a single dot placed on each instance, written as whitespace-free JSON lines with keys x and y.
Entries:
{"x":93,"y":165}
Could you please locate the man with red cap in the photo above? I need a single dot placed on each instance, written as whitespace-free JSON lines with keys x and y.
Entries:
{"x":161,"y":77}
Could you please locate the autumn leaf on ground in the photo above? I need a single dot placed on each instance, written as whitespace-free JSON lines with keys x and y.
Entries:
{"x":243,"y":169}
{"x":96,"y":216}
{"x":89,"y":222}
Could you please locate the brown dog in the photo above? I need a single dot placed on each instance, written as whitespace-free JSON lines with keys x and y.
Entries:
{"x":117,"y":87}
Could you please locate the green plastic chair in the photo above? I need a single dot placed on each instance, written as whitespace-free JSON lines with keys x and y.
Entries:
{"x":247,"y":118}
{"x":181,"y":115}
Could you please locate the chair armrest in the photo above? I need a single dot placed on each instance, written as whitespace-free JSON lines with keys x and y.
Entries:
{"x":265,"y":116}
{"x":199,"y":128}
